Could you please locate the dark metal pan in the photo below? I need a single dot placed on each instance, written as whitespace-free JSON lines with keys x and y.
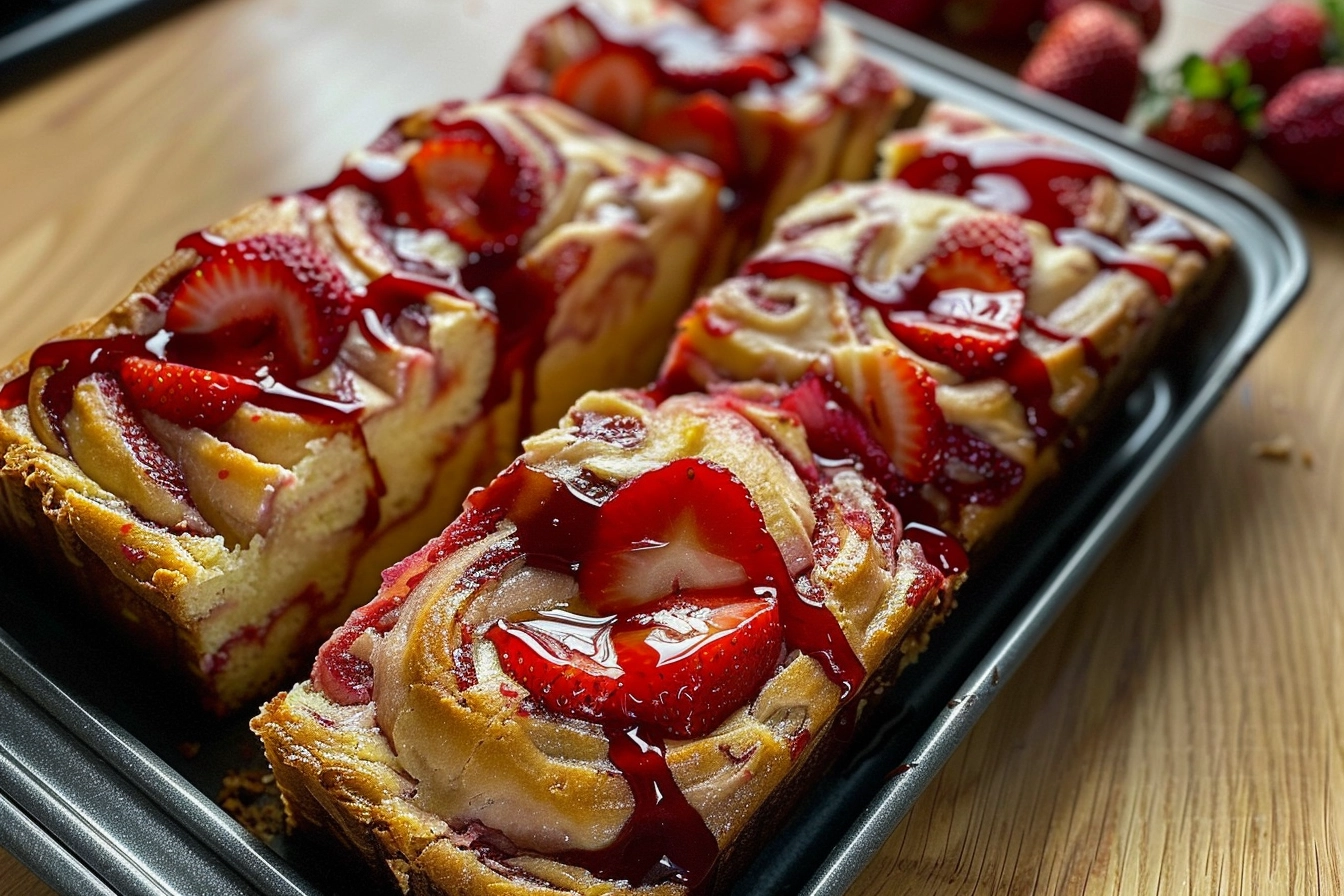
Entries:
{"x":98,"y":795}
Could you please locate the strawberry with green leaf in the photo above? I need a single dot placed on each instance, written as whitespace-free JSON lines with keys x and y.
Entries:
{"x":1283,"y":40}
{"x":1206,"y":109}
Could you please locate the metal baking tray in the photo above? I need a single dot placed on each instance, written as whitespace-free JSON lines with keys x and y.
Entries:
{"x":97,"y":790}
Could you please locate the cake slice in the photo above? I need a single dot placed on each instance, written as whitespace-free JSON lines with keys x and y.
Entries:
{"x":303,"y":393}
{"x":1022,"y":277}
{"x":777,"y":94}
{"x":617,"y":665}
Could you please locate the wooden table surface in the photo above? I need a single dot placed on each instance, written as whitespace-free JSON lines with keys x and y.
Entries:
{"x":1180,"y":730}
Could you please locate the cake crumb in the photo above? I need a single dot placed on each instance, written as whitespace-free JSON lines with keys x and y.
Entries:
{"x":1278,"y":448}
{"x":1308,"y":458}
{"x":252,"y":799}
{"x":189,"y":749}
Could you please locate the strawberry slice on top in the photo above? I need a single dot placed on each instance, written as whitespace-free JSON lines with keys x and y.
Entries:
{"x":898,"y":400}
{"x":687,"y":526}
{"x":989,"y":253}
{"x":275,"y":299}
{"x":187,"y":396}
{"x":612,"y":86}
{"x":479,"y":189}
{"x":970,"y":331}
{"x":680,"y":665}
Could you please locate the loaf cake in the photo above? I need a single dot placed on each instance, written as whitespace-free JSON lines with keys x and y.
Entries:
{"x":778,"y":95}
{"x":1018,"y":273}
{"x":302,"y":394}
{"x":617,"y":667}
{"x":623,"y":652}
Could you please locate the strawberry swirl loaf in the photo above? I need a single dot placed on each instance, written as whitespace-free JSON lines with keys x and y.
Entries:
{"x":630,"y":653}
{"x":778,"y":95}
{"x":1022,"y":279}
{"x":296,"y":397}
{"x":619,"y":660}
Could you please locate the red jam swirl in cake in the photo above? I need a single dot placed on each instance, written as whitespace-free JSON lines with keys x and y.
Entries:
{"x":251,"y":320}
{"x":758,"y":49}
{"x":686,"y":608}
{"x":475,"y":181}
{"x":1045,"y":182}
{"x":245,"y":324}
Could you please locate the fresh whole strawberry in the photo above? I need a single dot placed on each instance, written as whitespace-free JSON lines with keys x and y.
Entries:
{"x":187,"y":396}
{"x":1280,"y":42}
{"x":680,"y":665}
{"x":1207,"y":110}
{"x":1148,"y":13}
{"x":1205,"y":129}
{"x":1089,"y":55}
{"x":991,"y":20}
{"x":1304,"y":131}
{"x":988,"y":252}
{"x":276,"y":289}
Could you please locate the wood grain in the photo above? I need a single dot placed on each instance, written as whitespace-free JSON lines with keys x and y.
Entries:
{"x":1180,"y":729}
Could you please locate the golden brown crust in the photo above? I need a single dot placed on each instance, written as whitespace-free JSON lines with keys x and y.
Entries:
{"x":272,"y":554}
{"x":777,"y":345}
{"x":545,"y":778}
{"x":779,"y":330}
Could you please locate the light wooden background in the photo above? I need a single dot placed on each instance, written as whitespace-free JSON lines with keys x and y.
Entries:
{"x":1180,"y":729}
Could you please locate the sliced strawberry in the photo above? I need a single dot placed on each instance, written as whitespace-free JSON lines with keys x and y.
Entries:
{"x":680,"y":665}
{"x":272,"y":289}
{"x":989,"y":253}
{"x":975,"y":471}
{"x":773,"y":26}
{"x":694,"y":57}
{"x":970,"y":331}
{"x":481,"y":192}
{"x":689,"y":525}
{"x":701,"y":125}
{"x":837,"y":431}
{"x":612,"y":86}
{"x":188,"y":396}
{"x":899,"y":400}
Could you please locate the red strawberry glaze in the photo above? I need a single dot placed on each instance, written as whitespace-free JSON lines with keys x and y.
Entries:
{"x":1017,"y":365}
{"x":522,"y":300}
{"x":665,"y":838}
{"x":1042,"y":182}
{"x":694,"y":59}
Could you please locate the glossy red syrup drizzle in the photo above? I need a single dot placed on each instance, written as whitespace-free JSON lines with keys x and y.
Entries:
{"x":1024,"y":372}
{"x":845,"y":440}
{"x":1046,"y":183}
{"x":557,"y":525}
{"x":698,"y":61}
{"x":520,"y":300}
{"x":665,"y":838}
